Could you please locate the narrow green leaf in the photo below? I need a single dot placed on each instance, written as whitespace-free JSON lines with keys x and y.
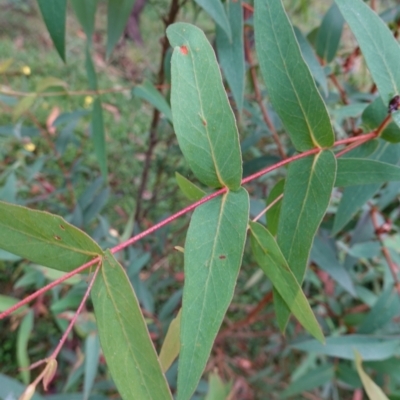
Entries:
{"x":23,"y":106}
{"x":373,"y":391}
{"x":44,"y":238}
{"x":378,"y":45}
{"x":124,"y":337}
{"x":362,"y":171}
{"x":148,"y":92}
{"x":54,"y":14}
{"x":213,"y":255}
{"x":203,"y":119}
{"x":329,"y":33}
{"x":231,"y":51}
{"x":291,"y":88}
{"x":271,"y":260}
{"x":118,"y":12}
{"x":371,"y":348}
{"x":85,"y":12}
{"x":98,"y":136}
{"x":215,"y":10}
{"x":307,"y":192}
{"x":355,"y":196}
{"x":90,"y":70}
{"x":189,"y":189}
{"x":170,"y":348}
{"x":92,"y":353}
{"x":24,"y":332}
{"x":49,"y":82}
{"x":275,"y":211}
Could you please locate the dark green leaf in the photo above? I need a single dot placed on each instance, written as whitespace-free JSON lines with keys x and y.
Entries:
{"x":189,"y":189}
{"x":291,"y":87}
{"x":274,"y":212}
{"x":85,"y":12}
{"x":117,"y":16}
{"x":92,"y":354}
{"x":213,"y":255}
{"x":98,"y":136}
{"x":148,"y":92}
{"x":273,"y":263}
{"x":231,"y":51}
{"x":124,"y":337}
{"x":24,"y":332}
{"x":215,"y":10}
{"x":203,"y":119}
{"x":378,"y":45}
{"x":362,"y":171}
{"x":329,"y":33}
{"x":54,"y":13}
{"x":44,"y":238}
{"x":306,"y":197}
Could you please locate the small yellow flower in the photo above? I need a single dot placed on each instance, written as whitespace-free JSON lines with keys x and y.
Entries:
{"x":88,"y":101}
{"x":26,"y":70}
{"x":29,"y":147}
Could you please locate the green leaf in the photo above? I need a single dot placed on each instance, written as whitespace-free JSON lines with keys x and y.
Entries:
{"x":215,"y":10}
{"x":271,"y":260}
{"x":307,"y":192}
{"x":23,"y":106}
{"x":213,"y":255}
{"x":312,"y":61}
{"x":44,"y":238}
{"x":170,"y":348}
{"x":124,"y":338}
{"x":371,"y":348}
{"x":118,"y":12}
{"x":231,"y":51}
{"x":148,"y":92}
{"x":92,"y":354}
{"x":49,"y":82}
{"x":274,"y":212}
{"x":203,"y":119}
{"x":54,"y":14}
{"x":378,"y":45}
{"x":373,"y":391}
{"x":85,"y":12}
{"x":98,"y":136}
{"x":189,"y":189}
{"x":24,"y":332}
{"x":355,"y":196}
{"x":362,"y":171}
{"x":291,"y":88}
{"x":11,"y":388}
{"x":329,"y":33}
{"x":217,"y":389}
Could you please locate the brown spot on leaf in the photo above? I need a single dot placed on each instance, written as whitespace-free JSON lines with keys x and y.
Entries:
{"x":62,"y":227}
{"x":222,"y":257}
{"x":57,"y":237}
{"x":184,"y":50}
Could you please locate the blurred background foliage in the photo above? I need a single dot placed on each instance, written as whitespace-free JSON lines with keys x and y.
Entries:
{"x":48,"y":162}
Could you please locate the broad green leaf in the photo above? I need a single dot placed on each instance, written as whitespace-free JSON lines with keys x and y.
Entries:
{"x":148,"y":92}
{"x":24,"y":332}
{"x":355,"y":196}
{"x":189,"y":189}
{"x":124,"y":338}
{"x":49,"y":82}
{"x":213,"y":255}
{"x":44,"y":238}
{"x":374,"y":392}
{"x":378,"y":45}
{"x":171,"y":345}
{"x":310,"y":380}
{"x":85,"y":12}
{"x":215,"y":10}
{"x":54,"y":14}
{"x":329,"y":33}
{"x":203,"y":119}
{"x":275,"y":211}
{"x":118,"y":12}
{"x":371,"y":348}
{"x":362,"y":171}
{"x":373,"y":116}
{"x":307,"y":192}
{"x":291,"y":88}
{"x":271,"y":260}
{"x":23,"y":106}
{"x":217,"y":389}
{"x":312,"y":61}
{"x":231,"y":51}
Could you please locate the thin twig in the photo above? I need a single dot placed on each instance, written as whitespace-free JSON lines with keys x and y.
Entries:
{"x":267,"y":208}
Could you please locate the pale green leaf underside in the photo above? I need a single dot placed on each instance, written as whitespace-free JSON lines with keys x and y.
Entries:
{"x":291,"y":88}
{"x":124,"y":338}
{"x":203,"y":119}
{"x":213,"y":255}
{"x":307,"y":192}
{"x":189,"y":189}
{"x":44,"y":238}
{"x":273,"y":263}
